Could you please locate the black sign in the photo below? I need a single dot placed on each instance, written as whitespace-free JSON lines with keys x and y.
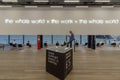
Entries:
{"x":59,"y":64}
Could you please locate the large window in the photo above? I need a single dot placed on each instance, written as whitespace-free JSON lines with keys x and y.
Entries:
{"x":47,"y":38}
{"x":59,"y":38}
{"x":84,"y":39}
{"x":17,"y":38}
{"x":77,"y":37}
{"x":20,"y":39}
{"x":32,"y":39}
{"x":3,"y":39}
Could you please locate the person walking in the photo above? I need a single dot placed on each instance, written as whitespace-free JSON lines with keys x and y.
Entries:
{"x":71,"y":39}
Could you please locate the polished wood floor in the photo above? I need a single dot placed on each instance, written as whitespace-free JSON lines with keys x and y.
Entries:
{"x":29,"y":64}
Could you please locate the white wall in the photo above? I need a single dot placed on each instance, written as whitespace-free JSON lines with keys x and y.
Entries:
{"x":65,"y":13}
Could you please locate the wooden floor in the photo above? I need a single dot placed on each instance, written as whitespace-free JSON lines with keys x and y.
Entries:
{"x":29,"y":64}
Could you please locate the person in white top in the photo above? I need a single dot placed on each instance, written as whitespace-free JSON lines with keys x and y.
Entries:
{"x":113,"y":43}
{"x":14,"y":43}
{"x":101,"y":42}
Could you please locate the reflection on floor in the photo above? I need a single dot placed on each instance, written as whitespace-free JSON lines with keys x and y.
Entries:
{"x":29,"y":64}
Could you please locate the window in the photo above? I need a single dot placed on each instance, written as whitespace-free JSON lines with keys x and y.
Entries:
{"x":59,"y":38}
{"x":77,"y":37}
{"x":3,"y":39}
{"x":32,"y":39}
{"x":47,"y":38}
{"x":17,"y":38}
{"x":84,"y":39}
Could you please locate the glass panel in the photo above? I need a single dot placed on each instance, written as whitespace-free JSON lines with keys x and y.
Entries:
{"x":32,"y":39}
{"x":77,"y":37}
{"x":18,"y":39}
{"x":100,"y":40}
{"x":84,"y":39}
{"x":3,"y":39}
{"x":59,"y":38}
{"x":47,"y":38}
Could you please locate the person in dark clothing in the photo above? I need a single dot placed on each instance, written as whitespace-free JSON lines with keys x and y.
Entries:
{"x":14,"y":43}
{"x":57,"y":44}
{"x":28,"y":44}
{"x":71,"y":39}
{"x":76,"y":43}
{"x":45,"y":44}
{"x":64,"y":43}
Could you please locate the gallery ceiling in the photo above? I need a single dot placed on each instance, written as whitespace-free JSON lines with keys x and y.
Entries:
{"x":60,"y":3}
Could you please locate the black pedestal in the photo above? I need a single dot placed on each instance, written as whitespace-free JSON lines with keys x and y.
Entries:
{"x":91,"y":42}
{"x":59,"y":61}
